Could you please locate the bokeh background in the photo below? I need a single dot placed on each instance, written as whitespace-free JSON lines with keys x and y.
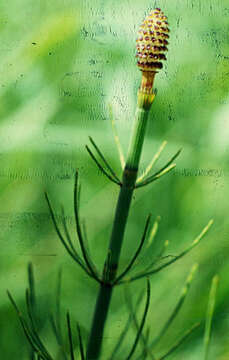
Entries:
{"x":63,"y":63}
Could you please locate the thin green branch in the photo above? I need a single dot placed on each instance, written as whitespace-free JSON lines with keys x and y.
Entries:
{"x":153,"y":162}
{"x":128,"y":268}
{"x":104,"y":160}
{"x":34,"y":329}
{"x":80,"y":343}
{"x":111,"y":178}
{"x":31,"y":284}
{"x":71,"y":346}
{"x":142,"y":322}
{"x":125,"y":330}
{"x":56,"y":321}
{"x":68,"y":237}
{"x":180,"y":341}
{"x":143,"y":339}
{"x":58,"y":298}
{"x":209,"y":315}
{"x":177,"y":308}
{"x":86,"y":257}
{"x":155,"y":177}
{"x":183,"y":253}
{"x":169,"y":162}
{"x":33,"y":355}
{"x":164,"y":170}
{"x":55,"y":330}
{"x":58,"y":337}
{"x":116,"y":138}
{"x":159,"y":257}
{"x":69,"y":251}
{"x":27,"y":332}
{"x":86,"y":245}
{"x":149,"y":246}
{"x":146,"y":352}
{"x":153,"y":232}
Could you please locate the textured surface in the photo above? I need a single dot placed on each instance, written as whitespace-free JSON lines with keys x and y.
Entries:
{"x":152,"y":41}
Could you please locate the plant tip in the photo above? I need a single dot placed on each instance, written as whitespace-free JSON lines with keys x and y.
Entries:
{"x":152,"y":41}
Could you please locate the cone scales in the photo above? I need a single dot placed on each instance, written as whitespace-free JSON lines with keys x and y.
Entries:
{"x":151,"y":46}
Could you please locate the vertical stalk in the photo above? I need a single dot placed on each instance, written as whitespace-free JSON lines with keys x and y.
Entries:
{"x":145,"y":99}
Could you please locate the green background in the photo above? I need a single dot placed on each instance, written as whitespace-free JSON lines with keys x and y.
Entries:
{"x":62,"y":64}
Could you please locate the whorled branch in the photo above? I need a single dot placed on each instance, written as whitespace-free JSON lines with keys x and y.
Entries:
{"x":86,"y":263}
{"x":31,"y":331}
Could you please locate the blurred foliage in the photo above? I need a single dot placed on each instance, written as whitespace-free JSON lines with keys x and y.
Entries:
{"x":62,"y":63}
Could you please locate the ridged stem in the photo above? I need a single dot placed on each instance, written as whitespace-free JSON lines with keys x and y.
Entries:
{"x":129,"y":177}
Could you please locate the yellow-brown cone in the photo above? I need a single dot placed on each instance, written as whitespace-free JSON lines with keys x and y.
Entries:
{"x":152,"y":41}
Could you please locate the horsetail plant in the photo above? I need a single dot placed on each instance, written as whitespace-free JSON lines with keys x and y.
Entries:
{"x":151,"y":46}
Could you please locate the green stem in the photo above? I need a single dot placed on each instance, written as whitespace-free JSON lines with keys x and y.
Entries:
{"x":121,"y":215}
